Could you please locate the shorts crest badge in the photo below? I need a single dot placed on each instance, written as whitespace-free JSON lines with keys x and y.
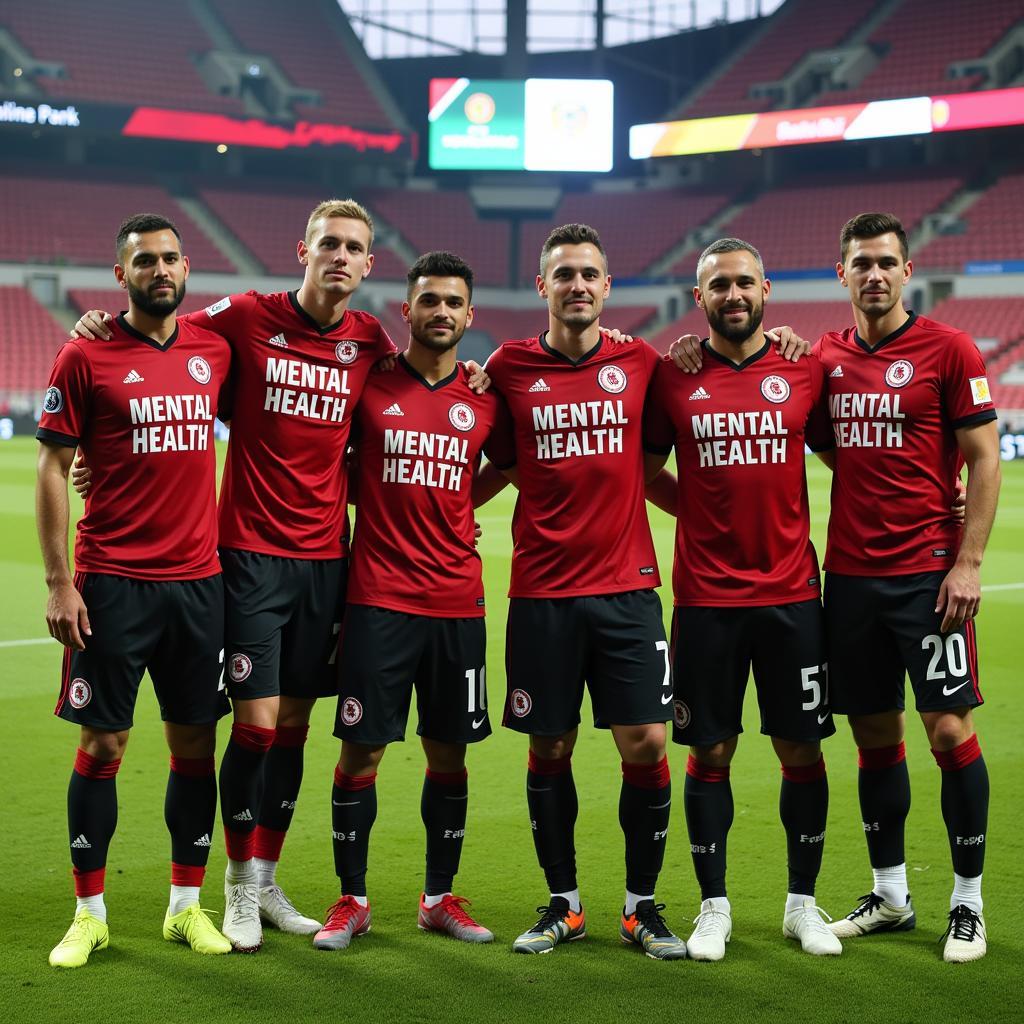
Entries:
{"x":79,"y":693}
{"x":775,"y":388}
{"x":346,"y":351}
{"x":680,"y":714}
{"x":239,"y":667}
{"x":520,"y":703}
{"x":351,"y":711}
{"x":612,"y":379}
{"x":899,"y":373}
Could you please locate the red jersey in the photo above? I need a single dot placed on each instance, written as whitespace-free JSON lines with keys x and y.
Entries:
{"x":580,"y":525}
{"x":417,"y":449}
{"x":894,"y":411}
{"x":143,"y":415}
{"x":296,"y":384}
{"x":742,"y":517}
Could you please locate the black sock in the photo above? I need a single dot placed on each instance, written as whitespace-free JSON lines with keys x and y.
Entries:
{"x":353,"y":812}
{"x":965,"y":805}
{"x":645,"y":801}
{"x":282,"y":778}
{"x":190,"y":809}
{"x":884,"y":786}
{"x":707,"y":800}
{"x":92,"y":813}
{"x":803,"y":808}
{"x":241,"y":786}
{"x":443,"y":809}
{"x":551,"y":799}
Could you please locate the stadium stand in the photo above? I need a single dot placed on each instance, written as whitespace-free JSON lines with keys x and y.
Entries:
{"x":800,"y":27}
{"x":797,"y":225}
{"x":994,"y":229}
{"x":31,"y":338}
{"x":447,"y":220}
{"x":61,"y":219}
{"x":111,"y":55}
{"x":636,"y":228}
{"x":919,"y":41}
{"x":307,"y":47}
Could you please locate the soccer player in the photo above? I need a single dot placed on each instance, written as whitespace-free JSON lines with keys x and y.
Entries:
{"x":415,"y":615}
{"x":747,"y":587}
{"x":910,"y":404}
{"x":301,"y":360}
{"x":147,"y":591}
{"x":583,"y":607}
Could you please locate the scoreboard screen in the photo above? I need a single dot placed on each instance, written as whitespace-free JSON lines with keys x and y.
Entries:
{"x":540,"y":124}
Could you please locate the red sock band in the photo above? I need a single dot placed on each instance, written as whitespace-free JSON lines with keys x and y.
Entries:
{"x":647,"y":776}
{"x":291,"y":735}
{"x":89,"y":883}
{"x":192,"y":767}
{"x":804,"y":772}
{"x":90,"y":767}
{"x":705,"y":772}
{"x":353,"y":783}
{"x":448,"y":778}
{"x":267,"y":843}
{"x":877,"y":758}
{"x":959,"y":757}
{"x":252,"y":737}
{"x":187,"y":874}
{"x":549,"y":766}
{"x":238,"y":845}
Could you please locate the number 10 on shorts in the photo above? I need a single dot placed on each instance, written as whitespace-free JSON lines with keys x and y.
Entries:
{"x":476,"y":689}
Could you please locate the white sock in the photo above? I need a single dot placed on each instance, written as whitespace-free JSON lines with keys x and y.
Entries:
{"x":573,"y":898}
{"x":94,"y":904}
{"x":183,"y":897}
{"x":796,"y":901}
{"x":968,"y":892}
{"x":240,"y":872}
{"x":361,"y":900}
{"x":432,"y":901}
{"x":266,"y":871}
{"x":891,"y":884}
{"x":632,"y":899}
{"x":719,"y":903}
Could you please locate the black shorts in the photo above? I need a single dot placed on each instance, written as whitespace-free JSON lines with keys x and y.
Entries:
{"x":713,"y":651}
{"x":174,"y":628}
{"x":282,"y":621}
{"x":881,"y":629}
{"x":613,"y":643}
{"x":386,"y":654}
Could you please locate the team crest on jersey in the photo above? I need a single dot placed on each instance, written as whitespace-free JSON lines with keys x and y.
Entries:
{"x":461,"y":416}
{"x":520,"y":703}
{"x":53,"y":400}
{"x":346,"y":351}
{"x":199,"y":370}
{"x":899,"y":373}
{"x":351,"y":711}
{"x":239,"y":667}
{"x":612,"y":379}
{"x":680,"y":714}
{"x":79,"y":693}
{"x":775,"y":388}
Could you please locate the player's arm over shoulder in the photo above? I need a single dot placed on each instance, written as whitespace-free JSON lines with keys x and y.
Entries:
{"x":226,"y":317}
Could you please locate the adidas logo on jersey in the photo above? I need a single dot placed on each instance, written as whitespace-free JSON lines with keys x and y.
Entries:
{"x":278,"y":340}
{"x":203,"y":840}
{"x":539,"y":385}
{"x":699,"y":393}
{"x":245,"y":815}
{"x":837,"y":372}
{"x":393,"y":410}
{"x":134,"y":377}
{"x":81,"y":843}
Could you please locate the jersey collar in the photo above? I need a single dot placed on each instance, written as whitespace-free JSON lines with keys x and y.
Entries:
{"x":759,"y":354}
{"x":566,"y":359}
{"x":144,"y":338}
{"x":293,"y":297}
{"x":417,"y":376}
{"x":899,"y":332}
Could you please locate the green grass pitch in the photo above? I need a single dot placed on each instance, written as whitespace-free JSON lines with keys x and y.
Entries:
{"x":401,"y":974}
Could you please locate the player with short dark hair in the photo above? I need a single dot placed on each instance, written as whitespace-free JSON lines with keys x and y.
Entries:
{"x":910,"y":405}
{"x":147,"y":592}
{"x":747,"y":586}
{"x":583,"y":608}
{"x":415,"y":616}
